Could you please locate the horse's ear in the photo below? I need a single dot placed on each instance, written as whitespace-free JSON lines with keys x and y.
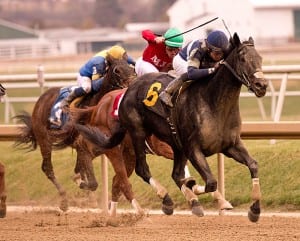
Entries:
{"x":236,"y":40}
{"x":251,"y":41}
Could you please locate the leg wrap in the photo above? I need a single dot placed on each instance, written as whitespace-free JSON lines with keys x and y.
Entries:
{"x":256,"y":194}
{"x":160,"y":190}
{"x":188,"y":193}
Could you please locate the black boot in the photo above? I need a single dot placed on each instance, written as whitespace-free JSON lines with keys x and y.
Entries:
{"x":166,"y":95}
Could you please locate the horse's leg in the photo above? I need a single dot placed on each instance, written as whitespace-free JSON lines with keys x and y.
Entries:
{"x":78,"y":173}
{"x":185,"y":184}
{"x":118,"y":157}
{"x":85,"y":160}
{"x":47,"y":168}
{"x":223,"y":204}
{"x":142,"y":170}
{"x":240,"y":154}
{"x":2,"y":192}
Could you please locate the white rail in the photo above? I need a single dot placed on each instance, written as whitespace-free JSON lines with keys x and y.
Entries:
{"x":282,"y":73}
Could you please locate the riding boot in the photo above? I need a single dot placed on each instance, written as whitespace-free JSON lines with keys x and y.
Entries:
{"x":76,"y":92}
{"x":166,"y":95}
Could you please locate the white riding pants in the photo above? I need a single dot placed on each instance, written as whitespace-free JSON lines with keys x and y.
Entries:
{"x":142,"y":67}
{"x":84,"y":82}
{"x":180,"y":65}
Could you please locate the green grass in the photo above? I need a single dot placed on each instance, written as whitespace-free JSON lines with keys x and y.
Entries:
{"x":279,"y":165}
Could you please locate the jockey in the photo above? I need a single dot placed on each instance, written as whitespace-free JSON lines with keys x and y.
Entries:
{"x":198,"y":59}
{"x":89,"y":80}
{"x":93,"y":70}
{"x":159,"y":54}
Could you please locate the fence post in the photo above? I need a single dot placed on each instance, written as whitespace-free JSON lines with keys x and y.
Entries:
{"x":104,"y":177}
{"x":40,"y":77}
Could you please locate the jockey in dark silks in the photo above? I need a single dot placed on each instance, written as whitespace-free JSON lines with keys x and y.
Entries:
{"x":201,"y":58}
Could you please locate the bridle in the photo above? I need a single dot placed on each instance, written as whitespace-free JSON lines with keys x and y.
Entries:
{"x":243,"y":78}
{"x":117,"y":84}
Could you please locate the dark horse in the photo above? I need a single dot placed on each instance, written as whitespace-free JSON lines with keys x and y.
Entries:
{"x":122,"y":157}
{"x":2,"y":177}
{"x":205,"y":120}
{"x":37,"y":128}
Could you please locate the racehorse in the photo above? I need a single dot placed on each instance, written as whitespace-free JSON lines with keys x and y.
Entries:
{"x":37,"y":129}
{"x":2,"y":177}
{"x":122,"y":158}
{"x":205,"y":120}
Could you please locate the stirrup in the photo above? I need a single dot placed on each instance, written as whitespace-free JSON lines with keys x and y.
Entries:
{"x":166,"y":98}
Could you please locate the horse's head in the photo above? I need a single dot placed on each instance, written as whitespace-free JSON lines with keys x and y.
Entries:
{"x":247,"y":65}
{"x":119,"y":73}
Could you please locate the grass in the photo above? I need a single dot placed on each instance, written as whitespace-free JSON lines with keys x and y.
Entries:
{"x":278,"y":163}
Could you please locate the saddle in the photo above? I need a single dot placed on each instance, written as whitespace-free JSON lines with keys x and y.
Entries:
{"x":154,"y":104}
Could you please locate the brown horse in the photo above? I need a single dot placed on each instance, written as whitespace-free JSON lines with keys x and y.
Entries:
{"x":37,"y":129}
{"x":2,"y":177}
{"x":122,"y":157}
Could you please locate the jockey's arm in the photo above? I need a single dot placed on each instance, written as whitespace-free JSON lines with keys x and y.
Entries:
{"x":194,"y":70}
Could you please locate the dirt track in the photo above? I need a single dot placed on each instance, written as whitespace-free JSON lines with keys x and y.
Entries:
{"x":52,"y":225}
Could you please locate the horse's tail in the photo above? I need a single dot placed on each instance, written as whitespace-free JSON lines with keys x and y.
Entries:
{"x":81,"y":114}
{"x":26,"y":139}
{"x":94,"y":135}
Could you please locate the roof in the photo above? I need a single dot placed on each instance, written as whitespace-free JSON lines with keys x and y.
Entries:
{"x":10,"y":30}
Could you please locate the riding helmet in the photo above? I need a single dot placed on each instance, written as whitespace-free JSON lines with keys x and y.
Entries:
{"x":217,"y":41}
{"x":175,"y":41}
{"x":116,"y":52}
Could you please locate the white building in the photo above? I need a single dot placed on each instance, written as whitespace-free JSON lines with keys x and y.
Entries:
{"x":275,"y":21}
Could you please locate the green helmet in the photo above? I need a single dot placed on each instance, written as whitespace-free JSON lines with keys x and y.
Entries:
{"x":177,"y":41}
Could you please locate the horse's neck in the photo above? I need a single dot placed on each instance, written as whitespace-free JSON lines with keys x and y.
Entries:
{"x":223,"y":91}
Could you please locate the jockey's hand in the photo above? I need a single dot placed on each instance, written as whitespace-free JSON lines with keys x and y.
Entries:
{"x":217,"y":64}
{"x":159,"y":39}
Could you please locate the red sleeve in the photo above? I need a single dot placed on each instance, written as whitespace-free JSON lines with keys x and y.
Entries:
{"x":148,"y":35}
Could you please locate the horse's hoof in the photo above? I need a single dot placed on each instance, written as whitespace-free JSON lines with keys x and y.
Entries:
{"x":3,"y":207}
{"x":225,"y":205}
{"x":3,"y":211}
{"x":168,"y":210}
{"x":167,"y":205}
{"x":64,"y":205}
{"x":253,"y":217}
{"x":254,"y":211}
{"x":197,"y":208}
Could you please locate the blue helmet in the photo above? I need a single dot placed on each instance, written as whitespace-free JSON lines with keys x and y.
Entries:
{"x":217,"y":41}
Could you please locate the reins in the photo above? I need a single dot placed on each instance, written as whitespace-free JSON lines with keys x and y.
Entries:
{"x":244,"y":79}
